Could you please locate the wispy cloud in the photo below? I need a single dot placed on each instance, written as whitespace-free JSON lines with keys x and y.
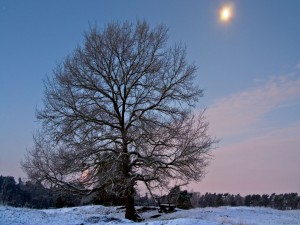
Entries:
{"x":236,"y":114}
{"x":263,"y":160}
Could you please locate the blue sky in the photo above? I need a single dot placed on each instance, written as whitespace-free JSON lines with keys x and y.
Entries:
{"x":249,"y":68}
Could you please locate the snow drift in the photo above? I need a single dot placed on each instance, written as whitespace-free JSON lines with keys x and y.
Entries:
{"x":100,"y":215}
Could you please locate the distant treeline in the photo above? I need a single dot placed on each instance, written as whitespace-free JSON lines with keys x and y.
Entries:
{"x":276,"y":201}
{"x":33,"y":195}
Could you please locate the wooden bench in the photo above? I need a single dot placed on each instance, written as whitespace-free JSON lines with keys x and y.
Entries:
{"x":166,"y":207}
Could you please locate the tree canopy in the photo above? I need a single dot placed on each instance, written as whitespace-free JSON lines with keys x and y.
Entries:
{"x":119,"y":110}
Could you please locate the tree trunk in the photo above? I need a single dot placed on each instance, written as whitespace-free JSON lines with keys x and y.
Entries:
{"x":130,"y":210}
{"x":129,"y":199}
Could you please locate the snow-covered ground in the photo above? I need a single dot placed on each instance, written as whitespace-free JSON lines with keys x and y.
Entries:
{"x":96,"y":215}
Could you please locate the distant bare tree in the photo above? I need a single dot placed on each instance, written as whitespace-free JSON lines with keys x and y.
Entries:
{"x":118,"y":111}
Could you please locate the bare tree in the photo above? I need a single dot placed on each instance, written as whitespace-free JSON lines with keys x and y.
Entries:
{"x":118,"y":111}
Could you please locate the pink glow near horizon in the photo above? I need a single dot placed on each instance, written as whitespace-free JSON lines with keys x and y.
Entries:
{"x":263,"y":164}
{"x":267,"y":158}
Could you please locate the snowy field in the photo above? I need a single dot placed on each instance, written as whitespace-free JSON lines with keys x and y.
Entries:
{"x":96,"y":215}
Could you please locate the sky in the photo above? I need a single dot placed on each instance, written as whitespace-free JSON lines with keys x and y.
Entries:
{"x":249,"y":68}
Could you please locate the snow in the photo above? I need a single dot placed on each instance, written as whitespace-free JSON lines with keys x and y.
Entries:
{"x":99,"y":215}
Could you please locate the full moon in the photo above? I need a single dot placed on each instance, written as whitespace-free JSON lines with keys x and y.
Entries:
{"x":225,"y":13}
